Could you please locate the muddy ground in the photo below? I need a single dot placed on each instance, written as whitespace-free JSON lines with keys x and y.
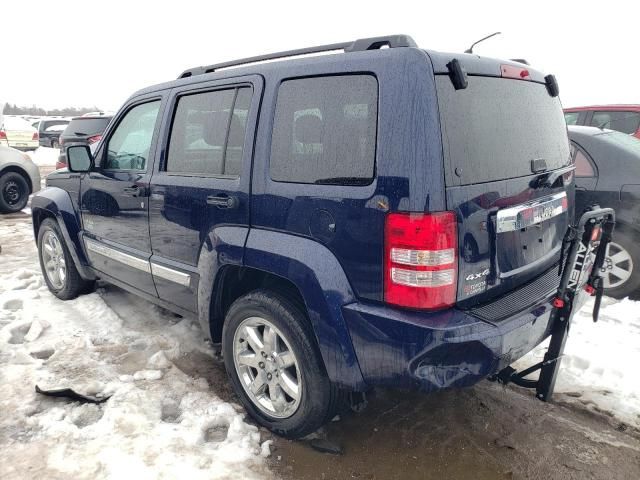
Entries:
{"x":485,"y":432}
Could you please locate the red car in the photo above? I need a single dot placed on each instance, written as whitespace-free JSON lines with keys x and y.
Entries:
{"x":623,"y":118}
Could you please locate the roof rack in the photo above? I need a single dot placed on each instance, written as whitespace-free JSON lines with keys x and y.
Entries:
{"x":362,"y":44}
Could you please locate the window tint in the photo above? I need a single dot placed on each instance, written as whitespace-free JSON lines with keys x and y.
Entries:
{"x":583,"y":165}
{"x":626,"y":122}
{"x":206,"y":137}
{"x":325,"y":130}
{"x":571,"y":118}
{"x":130,"y":144}
{"x":494,"y":127}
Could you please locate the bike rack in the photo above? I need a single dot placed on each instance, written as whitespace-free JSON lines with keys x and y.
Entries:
{"x":596,"y":223}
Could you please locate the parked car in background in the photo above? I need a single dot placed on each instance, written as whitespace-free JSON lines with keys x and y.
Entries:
{"x":622,"y":118}
{"x":608,"y":173}
{"x":312,"y":214}
{"x":84,"y":130}
{"x":18,"y":133}
{"x":19,"y":178}
{"x":49,"y":130}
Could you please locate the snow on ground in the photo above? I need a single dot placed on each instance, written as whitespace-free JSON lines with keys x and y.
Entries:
{"x":600,"y":364}
{"x":45,"y":156}
{"x":158,"y":423}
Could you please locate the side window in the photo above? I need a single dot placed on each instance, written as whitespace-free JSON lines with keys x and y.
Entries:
{"x":129,"y":146}
{"x":207,"y":135}
{"x":626,"y":122}
{"x":584,"y":168}
{"x":324,"y":130}
{"x":571,"y":118}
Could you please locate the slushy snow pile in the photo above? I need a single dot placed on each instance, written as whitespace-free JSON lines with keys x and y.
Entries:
{"x":600,"y":364}
{"x":159,"y":422}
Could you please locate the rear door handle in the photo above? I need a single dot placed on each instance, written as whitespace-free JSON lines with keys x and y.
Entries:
{"x":222,"y":201}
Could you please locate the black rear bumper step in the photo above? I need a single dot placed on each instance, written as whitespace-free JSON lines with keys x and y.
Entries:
{"x":520,"y":299}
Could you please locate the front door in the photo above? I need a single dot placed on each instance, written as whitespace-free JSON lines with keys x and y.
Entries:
{"x":114,"y":197}
{"x":201,"y":181}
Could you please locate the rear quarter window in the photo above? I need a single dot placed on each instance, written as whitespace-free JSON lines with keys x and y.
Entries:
{"x":325,"y":130}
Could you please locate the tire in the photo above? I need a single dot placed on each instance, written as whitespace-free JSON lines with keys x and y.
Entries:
{"x":623,"y":257}
{"x":318,"y":398}
{"x":52,"y":248}
{"x":14,"y":192}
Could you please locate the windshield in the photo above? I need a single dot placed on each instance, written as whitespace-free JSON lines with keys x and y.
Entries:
{"x":624,"y":141}
{"x":495,"y":127}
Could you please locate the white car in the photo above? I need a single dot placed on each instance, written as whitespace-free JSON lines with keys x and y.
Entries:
{"x":17,"y":133}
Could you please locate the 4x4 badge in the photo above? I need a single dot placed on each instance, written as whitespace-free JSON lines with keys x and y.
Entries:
{"x":475,"y":276}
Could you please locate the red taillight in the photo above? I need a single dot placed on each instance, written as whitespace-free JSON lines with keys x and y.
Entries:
{"x":60,"y":140}
{"x":421,"y":260}
{"x":60,"y":165}
{"x":3,"y":135}
{"x":35,"y":136}
{"x":94,"y":139}
{"x":595,"y":234}
{"x":511,"y":71}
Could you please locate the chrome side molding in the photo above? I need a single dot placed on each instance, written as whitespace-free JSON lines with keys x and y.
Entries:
{"x":170,"y":274}
{"x":155,"y":269}
{"x":124,"y":258}
{"x":531,"y":213}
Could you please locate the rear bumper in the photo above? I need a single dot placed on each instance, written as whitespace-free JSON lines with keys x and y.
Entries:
{"x":432,"y":351}
{"x":26,"y":145}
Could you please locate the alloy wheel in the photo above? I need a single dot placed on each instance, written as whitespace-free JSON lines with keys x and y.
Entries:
{"x":617,"y":267}
{"x":53,"y":259}
{"x":267,"y":367}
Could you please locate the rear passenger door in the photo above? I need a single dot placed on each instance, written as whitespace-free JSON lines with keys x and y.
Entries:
{"x":202,"y":180}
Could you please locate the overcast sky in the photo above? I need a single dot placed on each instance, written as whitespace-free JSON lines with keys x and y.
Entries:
{"x":86,"y":53}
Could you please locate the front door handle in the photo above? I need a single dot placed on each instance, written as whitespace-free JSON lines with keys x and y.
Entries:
{"x":222,"y":201}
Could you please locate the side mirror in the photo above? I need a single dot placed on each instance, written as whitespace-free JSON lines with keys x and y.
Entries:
{"x":79,"y":158}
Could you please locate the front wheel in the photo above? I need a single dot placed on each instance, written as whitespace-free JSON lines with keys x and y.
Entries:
{"x":274,"y":365}
{"x":14,"y":192}
{"x":60,"y":273}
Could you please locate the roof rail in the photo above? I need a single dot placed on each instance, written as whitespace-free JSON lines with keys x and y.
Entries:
{"x":362,"y":44}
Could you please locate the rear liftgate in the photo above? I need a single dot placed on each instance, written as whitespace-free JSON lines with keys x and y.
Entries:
{"x":596,"y":224}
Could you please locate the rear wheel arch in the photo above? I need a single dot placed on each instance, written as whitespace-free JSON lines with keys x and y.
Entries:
{"x":233,"y":281}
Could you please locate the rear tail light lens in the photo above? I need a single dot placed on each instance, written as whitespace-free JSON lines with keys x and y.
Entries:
{"x":3,"y":135}
{"x":60,"y":141}
{"x":60,"y":165}
{"x":421,"y":266}
{"x":35,"y":136}
{"x":94,"y":139}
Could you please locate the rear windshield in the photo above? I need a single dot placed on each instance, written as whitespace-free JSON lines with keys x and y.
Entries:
{"x":87,"y":126}
{"x":494,"y":128}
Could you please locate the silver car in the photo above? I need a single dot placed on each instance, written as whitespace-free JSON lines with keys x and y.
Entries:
{"x":19,"y":178}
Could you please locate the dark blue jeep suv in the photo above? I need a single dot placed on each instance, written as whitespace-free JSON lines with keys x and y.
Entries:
{"x":370,"y":216}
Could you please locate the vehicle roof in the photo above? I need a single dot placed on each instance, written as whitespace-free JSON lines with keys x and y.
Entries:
{"x":92,"y":117}
{"x":585,"y":131}
{"x":617,"y":106}
{"x":472,"y":63}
